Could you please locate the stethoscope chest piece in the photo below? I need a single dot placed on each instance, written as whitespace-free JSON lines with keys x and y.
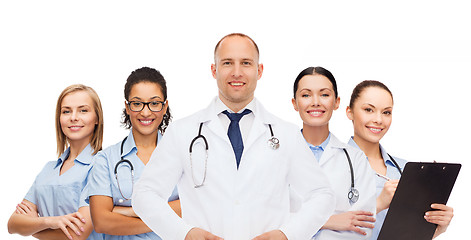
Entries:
{"x":274,"y":143}
{"x":353,"y":195}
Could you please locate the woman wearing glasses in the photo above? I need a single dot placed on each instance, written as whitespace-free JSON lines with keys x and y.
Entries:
{"x":55,"y":207}
{"x":119,"y":166}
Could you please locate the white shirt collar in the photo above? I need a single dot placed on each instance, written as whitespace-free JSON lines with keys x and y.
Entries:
{"x":220,"y":106}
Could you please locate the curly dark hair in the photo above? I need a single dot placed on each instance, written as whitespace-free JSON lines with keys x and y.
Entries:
{"x":146,"y":74}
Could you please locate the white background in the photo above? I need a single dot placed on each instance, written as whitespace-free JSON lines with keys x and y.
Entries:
{"x":420,"y":50}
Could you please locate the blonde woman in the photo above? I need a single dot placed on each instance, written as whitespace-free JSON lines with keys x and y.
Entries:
{"x":55,"y":207}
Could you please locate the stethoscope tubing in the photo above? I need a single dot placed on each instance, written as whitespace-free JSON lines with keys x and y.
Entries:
{"x":354,"y":194}
{"x":205,"y":161}
{"x":122,"y":161}
{"x":273,"y":142}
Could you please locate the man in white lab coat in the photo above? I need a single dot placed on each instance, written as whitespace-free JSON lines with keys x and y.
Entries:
{"x":225,"y":192}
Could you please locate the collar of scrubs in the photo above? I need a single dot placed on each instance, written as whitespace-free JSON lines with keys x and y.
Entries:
{"x":130,"y":145}
{"x":387,"y":159}
{"x":384,"y":154}
{"x":85,"y":157}
{"x":352,"y":143}
{"x":318,"y":150}
{"x":323,"y":144}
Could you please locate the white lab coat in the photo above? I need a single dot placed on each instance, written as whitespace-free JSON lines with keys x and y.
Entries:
{"x":233,"y":204}
{"x":335,"y":165}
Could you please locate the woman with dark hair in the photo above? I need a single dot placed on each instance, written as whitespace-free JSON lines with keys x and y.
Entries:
{"x":370,"y":109}
{"x":316,"y":98}
{"x":118,"y":167}
{"x":55,"y":207}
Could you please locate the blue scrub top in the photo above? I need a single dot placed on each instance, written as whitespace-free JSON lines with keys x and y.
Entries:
{"x":391,"y":172}
{"x":58,"y":195}
{"x":103,"y":181}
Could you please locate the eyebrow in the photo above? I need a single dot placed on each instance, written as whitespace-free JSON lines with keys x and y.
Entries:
{"x":373,"y":106}
{"x":232,"y":59}
{"x":305,"y":89}
{"x":138,"y":98}
{"x":328,"y":89}
{"x":320,"y":90}
{"x":81,"y":106}
{"x":226,"y":59}
{"x":369,"y":104}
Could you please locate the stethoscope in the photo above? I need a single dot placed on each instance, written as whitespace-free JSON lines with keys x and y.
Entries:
{"x":122,"y":161}
{"x":354,"y":194}
{"x":395,"y":164}
{"x":273,"y":143}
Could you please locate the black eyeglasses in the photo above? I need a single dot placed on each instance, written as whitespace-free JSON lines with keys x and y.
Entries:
{"x":154,"y":106}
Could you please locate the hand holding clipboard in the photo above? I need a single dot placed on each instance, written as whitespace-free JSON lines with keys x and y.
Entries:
{"x":421,"y":185}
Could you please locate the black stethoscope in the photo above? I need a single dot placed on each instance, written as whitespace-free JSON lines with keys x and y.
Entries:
{"x":122,"y":161}
{"x":395,"y":164}
{"x":273,"y":143}
{"x":354,"y":194}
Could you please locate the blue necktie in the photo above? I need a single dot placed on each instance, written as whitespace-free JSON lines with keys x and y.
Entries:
{"x":234,"y":133}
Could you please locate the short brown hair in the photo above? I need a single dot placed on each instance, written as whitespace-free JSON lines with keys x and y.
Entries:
{"x":97,"y":137}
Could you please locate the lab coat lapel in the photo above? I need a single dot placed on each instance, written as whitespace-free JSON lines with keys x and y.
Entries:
{"x":327,"y":155}
{"x":259,"y":127}
{"x":211,"y":121}
{"x":331,"y":149}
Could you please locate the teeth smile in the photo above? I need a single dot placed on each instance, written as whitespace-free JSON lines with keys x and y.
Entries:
{"x":376,"y":130}
{"x":315,"y":113}
{"x":237,"y":84}
{"x":146,"y":121}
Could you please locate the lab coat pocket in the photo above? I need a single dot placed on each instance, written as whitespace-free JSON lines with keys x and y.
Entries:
{"x":272,"y":176}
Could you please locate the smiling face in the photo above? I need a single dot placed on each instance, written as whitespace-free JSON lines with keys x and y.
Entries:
{"x":77,"y":117}
{"x":371,"y":114}
{"x":315,"y":100}
{"x":146,"y":122}
{"x":236,"y":70}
